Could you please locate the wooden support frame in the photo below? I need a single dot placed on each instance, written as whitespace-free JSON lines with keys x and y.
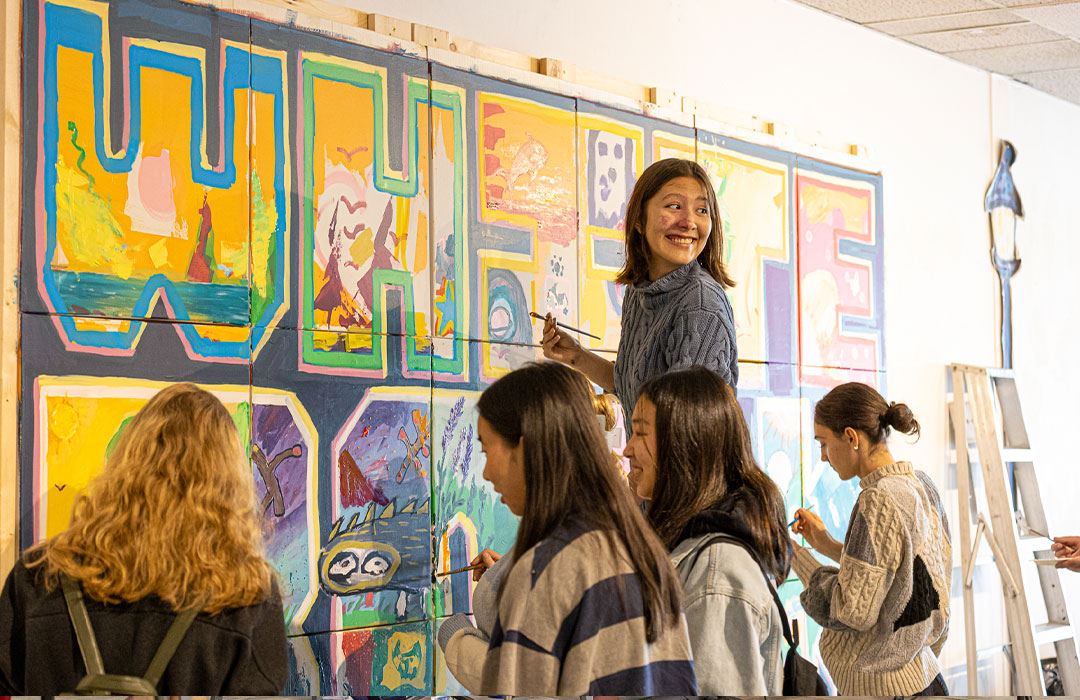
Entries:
{"x":958,"y":424}
{"x":415,"y":38}
{"x":10,"y":138}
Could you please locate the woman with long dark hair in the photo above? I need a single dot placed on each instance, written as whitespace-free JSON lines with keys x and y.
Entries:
{"x":690,"y":456}
{"x":591,"y":603}
{"x":676,"y":313}
{"x":885,"y":608}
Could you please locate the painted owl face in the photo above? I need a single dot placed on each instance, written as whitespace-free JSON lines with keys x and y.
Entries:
{"x":355,"y":567}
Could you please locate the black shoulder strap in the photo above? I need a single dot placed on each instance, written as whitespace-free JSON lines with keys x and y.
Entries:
{"x":84,"y":631}
{"x":792,"y":639}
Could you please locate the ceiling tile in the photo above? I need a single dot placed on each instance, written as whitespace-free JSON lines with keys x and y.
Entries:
{"x":941,"y":23}
{"x":1011,"y":60}
{"x":1063,"y":19}
{"x":1060,"y":83}
{"x":983,"y":37}
{"x":864,"y":11}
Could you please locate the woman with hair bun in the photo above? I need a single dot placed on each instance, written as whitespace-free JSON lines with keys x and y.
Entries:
{"x":885,"y":608}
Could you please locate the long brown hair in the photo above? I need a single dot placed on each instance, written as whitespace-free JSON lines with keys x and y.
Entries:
{"x":703,"y":455}
{"x":860,"y":406}
{"x":636,"y":267}
{"x":171,"y":515}
{"x":568,"y":471}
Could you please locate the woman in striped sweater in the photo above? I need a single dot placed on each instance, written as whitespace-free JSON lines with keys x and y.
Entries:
{"x":592,"y":605}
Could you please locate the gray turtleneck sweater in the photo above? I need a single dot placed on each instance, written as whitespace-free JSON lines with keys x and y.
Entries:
{"x":680,"y":320}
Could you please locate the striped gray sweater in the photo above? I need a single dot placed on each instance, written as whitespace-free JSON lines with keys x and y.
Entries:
{"x":680,"y":320}
{"x":885,"y":610}
{"x":561,"y":629}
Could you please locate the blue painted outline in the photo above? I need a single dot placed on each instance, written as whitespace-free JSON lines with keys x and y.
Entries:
{"x":80,"y":30}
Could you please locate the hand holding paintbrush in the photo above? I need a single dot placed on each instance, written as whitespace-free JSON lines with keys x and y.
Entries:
{"x":480,"y":563}
{"x":550,"y":320}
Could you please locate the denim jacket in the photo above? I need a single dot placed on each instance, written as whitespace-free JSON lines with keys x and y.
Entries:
{"x":735,"y":630}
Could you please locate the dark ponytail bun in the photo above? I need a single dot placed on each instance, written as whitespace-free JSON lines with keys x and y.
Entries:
{"x":899,"y":417}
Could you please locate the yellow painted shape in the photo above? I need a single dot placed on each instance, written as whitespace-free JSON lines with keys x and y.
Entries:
{"x":262,"y":231}
{"x":108,"y":325}
{"x":537,"y":167}
{"x":820,"y":202}
{"x":159,"y":253}
{"x":81,"y":419}
{"x":754,"y":211}
{"x":667,"y":145}
{"x":397,"y":644}
{"x":166,"y":121}
{"x":222,"y":333}
{"x":357,"y":341}
{"x":323,"y":340}
{"x":345,"y":138}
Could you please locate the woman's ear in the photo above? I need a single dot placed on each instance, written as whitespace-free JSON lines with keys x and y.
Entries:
{"x":852,"y":436}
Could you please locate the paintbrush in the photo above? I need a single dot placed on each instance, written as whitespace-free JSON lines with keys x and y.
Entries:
{"x":563,"y":325}
{"x":1040,"y":534}
{"x":796,"y":519}
{"x":461,"y":570}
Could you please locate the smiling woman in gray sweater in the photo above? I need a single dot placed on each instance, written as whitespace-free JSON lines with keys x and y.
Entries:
{"x":676,"y":313}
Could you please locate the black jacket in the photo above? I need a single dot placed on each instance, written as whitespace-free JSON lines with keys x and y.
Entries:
{"x":240,"y":651}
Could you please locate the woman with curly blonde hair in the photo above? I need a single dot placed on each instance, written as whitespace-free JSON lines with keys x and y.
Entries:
{"x":169,"y":526}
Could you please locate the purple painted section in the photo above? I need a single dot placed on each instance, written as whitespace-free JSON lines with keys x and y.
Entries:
{"x":376,"y":444}
{"x":780,"y":325}
{"x":274,"y":432}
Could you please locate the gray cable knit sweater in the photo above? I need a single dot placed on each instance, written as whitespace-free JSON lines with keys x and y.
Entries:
{"x":885,"y":610}
{"x":680,"y":320}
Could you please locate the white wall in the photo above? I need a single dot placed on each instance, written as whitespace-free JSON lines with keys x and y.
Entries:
{"x":930,"y":125}
{"x":1046,"y":290}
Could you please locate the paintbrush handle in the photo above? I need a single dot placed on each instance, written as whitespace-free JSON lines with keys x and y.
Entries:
{"x":461,"y":570}
{"x":563,"y":325}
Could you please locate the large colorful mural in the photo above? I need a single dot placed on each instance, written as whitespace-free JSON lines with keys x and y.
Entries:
{"x":344,"y":244}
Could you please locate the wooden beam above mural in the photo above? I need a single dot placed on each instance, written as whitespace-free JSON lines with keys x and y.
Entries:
{"x":333,"y":18}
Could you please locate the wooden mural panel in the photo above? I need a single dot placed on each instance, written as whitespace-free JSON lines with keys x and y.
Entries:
{"x":753,"y":188}
{"x":132,"y":208}
{"x":841,"y":272}
{"x":613,"y":149}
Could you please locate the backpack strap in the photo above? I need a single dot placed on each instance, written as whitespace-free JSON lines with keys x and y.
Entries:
{"x":96,"y":678}
{"x":84,"y":631}
{"x":792,"y":639}
{"x":173,"y":637}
